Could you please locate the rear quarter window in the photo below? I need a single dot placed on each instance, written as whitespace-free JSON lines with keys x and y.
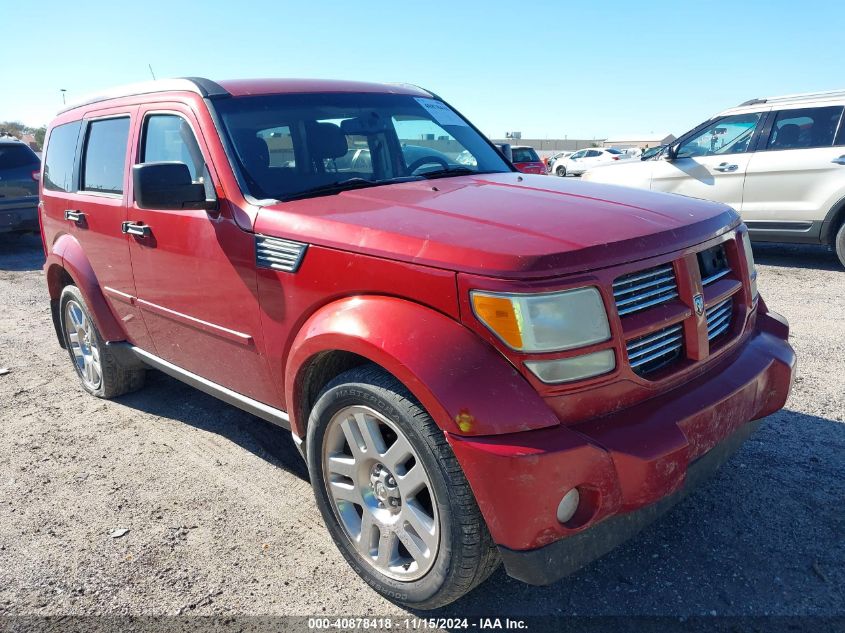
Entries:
{"x":61,"y":155}
{"x":13,"y":155}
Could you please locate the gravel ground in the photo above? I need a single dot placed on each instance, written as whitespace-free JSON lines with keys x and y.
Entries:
{"x":221,"y":519}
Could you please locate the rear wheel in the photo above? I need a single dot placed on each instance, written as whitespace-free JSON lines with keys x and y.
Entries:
{"x":392,"y":494}
{"x":561,"y":171}
{"x":839,"y":243}
{"x":97,"y":366}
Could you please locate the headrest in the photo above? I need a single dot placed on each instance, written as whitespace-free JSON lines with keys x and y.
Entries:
{"x":326,"y":140}
{"x":254,"y":151}
{"x":788,"y":134}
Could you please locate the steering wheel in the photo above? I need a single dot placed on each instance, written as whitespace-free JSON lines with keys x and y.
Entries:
{"x":426,"y":160}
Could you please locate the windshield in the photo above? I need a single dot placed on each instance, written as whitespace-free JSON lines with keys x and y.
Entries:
{"x":525,"y":155}
{"x":613,"y":150}
{"x":297,"y":145}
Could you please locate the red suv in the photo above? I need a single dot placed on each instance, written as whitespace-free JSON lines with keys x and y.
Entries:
{"x":478,"y":365}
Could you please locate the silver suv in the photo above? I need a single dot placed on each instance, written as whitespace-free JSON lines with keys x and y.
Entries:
{"x":779,"y":161}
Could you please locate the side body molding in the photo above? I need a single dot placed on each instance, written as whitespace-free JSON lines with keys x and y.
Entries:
{"x":66,"y":255}
{"x":465,"y":385}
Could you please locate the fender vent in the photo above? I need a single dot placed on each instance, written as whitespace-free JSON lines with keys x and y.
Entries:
{"x":278,"y":254}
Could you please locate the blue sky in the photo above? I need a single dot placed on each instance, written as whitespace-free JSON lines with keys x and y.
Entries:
{"x":581,"y":69}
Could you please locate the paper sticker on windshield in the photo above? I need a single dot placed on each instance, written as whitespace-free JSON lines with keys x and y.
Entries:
{"x":440,"y":112}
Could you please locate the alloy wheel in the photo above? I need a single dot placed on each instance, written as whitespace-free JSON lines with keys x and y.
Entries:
{"x":380,"y":492}
{"x":83,"y":344}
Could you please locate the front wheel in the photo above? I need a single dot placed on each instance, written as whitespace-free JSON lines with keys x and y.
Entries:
{"x":839,"y":243}
{"x":561,"y":171}
{"x":392,"y":494}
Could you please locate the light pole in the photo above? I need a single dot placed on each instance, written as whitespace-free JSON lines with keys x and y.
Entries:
{"x":63,"y":91}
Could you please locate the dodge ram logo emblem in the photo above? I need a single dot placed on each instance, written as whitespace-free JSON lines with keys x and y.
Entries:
{"x":698,"y":302}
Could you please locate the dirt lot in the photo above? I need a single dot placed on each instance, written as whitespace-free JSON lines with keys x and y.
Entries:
{"x":221,"y":520}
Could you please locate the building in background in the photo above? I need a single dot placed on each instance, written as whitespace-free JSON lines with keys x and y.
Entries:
{"x":642,"y":141}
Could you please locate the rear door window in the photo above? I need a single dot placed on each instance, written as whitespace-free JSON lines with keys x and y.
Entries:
{"x":104,"y":162}
{"x":804,"y":128}
{"x":61,"y":157}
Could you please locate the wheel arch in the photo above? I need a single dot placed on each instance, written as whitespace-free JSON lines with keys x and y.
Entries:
{"x":67,"y":264}
{"x":466,"y":386}
{"x":832,"y":221}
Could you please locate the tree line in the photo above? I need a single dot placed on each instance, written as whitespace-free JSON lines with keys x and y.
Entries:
{"x":18,"y":129}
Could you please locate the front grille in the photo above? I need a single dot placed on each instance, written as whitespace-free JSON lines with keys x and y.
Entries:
{"x":654,"y":351}
{"x":644,"y":289}
{"x":719,"y":318}
{"x":713,"y":264}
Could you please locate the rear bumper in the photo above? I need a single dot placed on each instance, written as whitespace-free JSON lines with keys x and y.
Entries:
{"x":19,"y":216}
{"x":629,"y":467}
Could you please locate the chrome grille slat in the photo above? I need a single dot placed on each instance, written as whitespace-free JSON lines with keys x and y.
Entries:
{"x":656,"y":350}
{"x":634,"y":277}
{"x":278,"y":254}
{"x":652,"y":337}
{"x":719,"y":318}
{"x":654,"y":282}
{"x":715,"y":277}
{"x":661,"y":345}
{"x":644,"y":289}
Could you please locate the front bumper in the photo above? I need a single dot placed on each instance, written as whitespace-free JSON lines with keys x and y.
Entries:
{"x":629,"y":467}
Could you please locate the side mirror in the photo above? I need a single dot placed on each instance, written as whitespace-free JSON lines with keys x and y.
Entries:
{"x":670,"y":153}
{"x":168,"y":185}
{"x":507,"y":152}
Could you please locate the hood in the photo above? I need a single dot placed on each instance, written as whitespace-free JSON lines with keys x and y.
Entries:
{"x":501,"y":225}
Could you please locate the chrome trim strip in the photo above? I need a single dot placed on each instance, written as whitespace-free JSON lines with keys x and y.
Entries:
{"x":205,"y":326}
{"x":256,"y":408}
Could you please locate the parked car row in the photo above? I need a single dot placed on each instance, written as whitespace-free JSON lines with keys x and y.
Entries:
{"x":19,"y":172}
{"x":478,"y":366}
{"x":779,"y":161}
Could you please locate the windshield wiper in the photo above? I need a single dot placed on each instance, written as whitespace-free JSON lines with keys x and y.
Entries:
{"x":341,"y":186}
{"x":450,"y":171}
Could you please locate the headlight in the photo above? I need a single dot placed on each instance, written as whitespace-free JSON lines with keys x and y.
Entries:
{"x":548,"y":322}
{"x":573,"y":368}
{"x":752,"y":269}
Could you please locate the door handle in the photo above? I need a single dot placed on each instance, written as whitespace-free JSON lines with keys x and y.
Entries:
{"x":138,"y":230}
{"x":839,"y":161}
{"x":74,"y":216}
{"x":725,"y":167}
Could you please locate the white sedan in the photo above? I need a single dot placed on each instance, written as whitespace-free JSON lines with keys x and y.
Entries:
{"x":585,"y":159}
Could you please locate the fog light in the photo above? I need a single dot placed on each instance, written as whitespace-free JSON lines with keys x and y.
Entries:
{"x":573,"y":368}
{"x":568,"y":505}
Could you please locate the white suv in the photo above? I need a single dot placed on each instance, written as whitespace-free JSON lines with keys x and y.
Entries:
{"x":779,"y":161}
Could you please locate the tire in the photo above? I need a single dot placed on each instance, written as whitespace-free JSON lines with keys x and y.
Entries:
{"x":97,"y":366}
{"x":461,"y":553}
{"x":561,"y":171}
{"x":839,"y":243}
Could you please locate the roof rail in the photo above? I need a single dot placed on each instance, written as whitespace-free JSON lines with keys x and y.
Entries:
{"x":801,"y":96}
{"x":206,"y":88}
